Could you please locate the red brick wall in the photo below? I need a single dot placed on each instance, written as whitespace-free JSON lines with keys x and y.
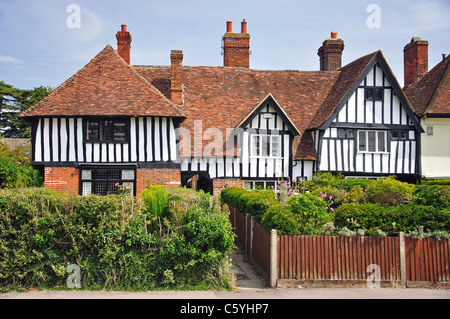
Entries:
{"x":160,"y":176}
{"x":415,"y":57}
{"x":236,"y":47}
{"x":219,"y":184}
{"x":330,"y":54}
{"x":62,"y":179}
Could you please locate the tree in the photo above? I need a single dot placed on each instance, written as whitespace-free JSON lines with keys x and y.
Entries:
{"x":12,"y":102}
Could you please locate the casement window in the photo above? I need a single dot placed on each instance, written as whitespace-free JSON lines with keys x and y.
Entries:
{"x":107,"y":181}
{"x":259,"y":184}
{"x":110,"y":130}
{"x":345,"y":133}
{"x":372,"y":141}
{"x":265,"y":145}
{"x":400,"y":135}
{"x":373,"y":93}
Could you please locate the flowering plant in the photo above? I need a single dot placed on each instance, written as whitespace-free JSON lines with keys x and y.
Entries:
{"x":124,"y":189}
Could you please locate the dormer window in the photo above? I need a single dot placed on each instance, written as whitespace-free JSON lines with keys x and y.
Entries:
{"x":373,"y":93}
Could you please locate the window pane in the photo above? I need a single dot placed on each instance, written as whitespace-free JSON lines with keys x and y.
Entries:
{"x":255,"y":150}
{"x":265,"y":147}
{"x":86,"y":189}
{"x":127,"y":174}
{"x":276,"y":146}
{"x":371,"y":141}
{"x":259,"y":185}
{"x":378,"y":94}
{"x":381,"y":142}
{"x":362,"y":141}
{"x":368,"y":94}
{"x":248,"y":185}
{"x":86,"y":174}
{"x":92,"y":131}
{"x":119,"y":131}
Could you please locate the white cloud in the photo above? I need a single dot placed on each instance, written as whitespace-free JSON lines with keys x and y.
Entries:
{"x":9,"y":60}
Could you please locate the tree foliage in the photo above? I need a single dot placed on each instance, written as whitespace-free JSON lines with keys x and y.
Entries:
{"x":14,"y":101}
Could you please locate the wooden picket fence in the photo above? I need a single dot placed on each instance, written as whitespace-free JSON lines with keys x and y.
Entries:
{"x":343,"y":261}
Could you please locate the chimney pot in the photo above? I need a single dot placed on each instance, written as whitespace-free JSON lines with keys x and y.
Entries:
{"x":229,"y":26}
{"x":124,"y":27}
{"x":334,"y":35}
{"x":243,"y":26}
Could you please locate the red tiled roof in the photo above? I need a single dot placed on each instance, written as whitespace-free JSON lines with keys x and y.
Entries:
{"x":222,"y":97}
{"x":347,"y":78}
{"x":106,"y":86}
{"x":431,"y":94}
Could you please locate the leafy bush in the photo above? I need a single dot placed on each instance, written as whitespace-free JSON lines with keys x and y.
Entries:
{"x":437,"y":196}
{"x":302,"y":213}
{"x":281,"y":218}
{"x":435,"y":182}
{"x":42,"y":232}
{"x":16,"y":169}
{"x":391,"y":219}
{"x":389,"y":191}
{"x":310,"y":211}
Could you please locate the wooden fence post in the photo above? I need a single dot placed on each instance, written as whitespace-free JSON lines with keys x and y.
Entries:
{"x":252,"y":224}
{"x":402,"y":259}
{"x":246,"y":236}
{"x":273,"y":276}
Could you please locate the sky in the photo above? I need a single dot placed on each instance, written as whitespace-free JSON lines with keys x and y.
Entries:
{"x":45,"y":42}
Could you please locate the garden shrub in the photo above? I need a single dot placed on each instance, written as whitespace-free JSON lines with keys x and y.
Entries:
{"x":389,"y":191}
{"x":437,"y":196}
{"x":16,"y":169}
{"x":391,"y":219}
{"x":155,"y":200}
{"x":281,"y":218}
{"x":310,"y":211}
{"x":110,"y":238}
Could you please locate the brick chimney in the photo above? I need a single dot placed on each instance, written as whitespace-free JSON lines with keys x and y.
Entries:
{"x":124,"y":43}
{"x":236,"y":47}
{"x":330,"y":53}
{"x":176,"y":84}
{"x":415,"y":60}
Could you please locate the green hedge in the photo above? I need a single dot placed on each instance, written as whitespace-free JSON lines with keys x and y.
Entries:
{"x":391,"y":219}
{"x":115,"y":240}
{"x":349,"y":207}
{"x":255,"y":203}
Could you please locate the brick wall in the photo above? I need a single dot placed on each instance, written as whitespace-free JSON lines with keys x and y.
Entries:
{"x":330,"y":54}
{"x":219,"y":184}
{"x":415,"y":60}
{"x":160,"y":176}
{"x":62,"y":179}
{"x":236,"y":47}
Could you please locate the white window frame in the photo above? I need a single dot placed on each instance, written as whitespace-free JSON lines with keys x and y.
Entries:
{"x":271,"y":137}
{"x":377,"y":151}
{"x":250,"y":184}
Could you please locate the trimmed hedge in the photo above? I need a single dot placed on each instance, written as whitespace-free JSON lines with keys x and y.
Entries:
{"x":115,"y":240}
{"x":391,"y":219}
{"x":349,"y":207}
